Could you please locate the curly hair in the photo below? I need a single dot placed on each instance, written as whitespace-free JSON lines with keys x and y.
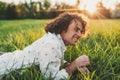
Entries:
{"x":61,"y":23}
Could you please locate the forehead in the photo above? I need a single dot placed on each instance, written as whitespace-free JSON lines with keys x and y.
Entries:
{"x":77,"y":23}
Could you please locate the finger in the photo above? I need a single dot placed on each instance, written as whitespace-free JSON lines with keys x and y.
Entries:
{"x":84,"y":70}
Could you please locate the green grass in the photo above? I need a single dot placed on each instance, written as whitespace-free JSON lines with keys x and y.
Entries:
{"x":102,"y":45}
{"x":16,"y":34}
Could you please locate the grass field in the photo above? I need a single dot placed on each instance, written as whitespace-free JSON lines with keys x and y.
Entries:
{"x":102,"y":45}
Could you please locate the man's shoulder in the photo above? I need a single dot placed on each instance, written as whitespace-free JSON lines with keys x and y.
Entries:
{"x":52,"y":39}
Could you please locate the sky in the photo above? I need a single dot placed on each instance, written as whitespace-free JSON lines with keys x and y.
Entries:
{"x":52,"y":1}
{"x":89,"y":5}
{"x":107,"y":3}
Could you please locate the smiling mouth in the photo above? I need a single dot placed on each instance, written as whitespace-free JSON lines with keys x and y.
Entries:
{"x":75,"y":39}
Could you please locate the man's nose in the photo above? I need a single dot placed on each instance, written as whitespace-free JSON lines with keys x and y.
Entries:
{"x":79,"y":34}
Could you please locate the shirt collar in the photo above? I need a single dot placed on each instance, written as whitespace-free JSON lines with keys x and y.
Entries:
{"x":61,"y":41}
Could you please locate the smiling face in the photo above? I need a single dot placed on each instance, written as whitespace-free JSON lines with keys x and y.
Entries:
{"x":73,"y":33}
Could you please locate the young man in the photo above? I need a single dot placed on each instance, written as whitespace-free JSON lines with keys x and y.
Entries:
{"x":48,"y":51}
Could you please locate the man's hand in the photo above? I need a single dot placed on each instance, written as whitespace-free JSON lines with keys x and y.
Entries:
{"x":82,"y":61}
{"x":84,"y":70}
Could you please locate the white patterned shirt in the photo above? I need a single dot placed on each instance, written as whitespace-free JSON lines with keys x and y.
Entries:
{"x":47,"y":52}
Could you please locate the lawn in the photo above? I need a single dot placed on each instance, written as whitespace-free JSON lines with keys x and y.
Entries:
{"x":102,"y":45}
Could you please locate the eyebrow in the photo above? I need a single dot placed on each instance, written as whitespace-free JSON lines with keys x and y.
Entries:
{"x":78,"y":27}
{"x":81,"y":27}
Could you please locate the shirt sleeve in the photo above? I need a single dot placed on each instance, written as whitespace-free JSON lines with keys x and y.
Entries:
{"x":7,"y":62}
{"x":14,"y":60}
{"x":50,"y":59}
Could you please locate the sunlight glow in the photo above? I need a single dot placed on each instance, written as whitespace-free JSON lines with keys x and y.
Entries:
{"x":88,"y":5}
{"x":110,"y":4}
{"x":91,"y":9}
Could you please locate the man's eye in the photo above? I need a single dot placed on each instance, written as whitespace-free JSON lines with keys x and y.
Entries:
{"x":76,"y":29}
{"x":81,"y":31}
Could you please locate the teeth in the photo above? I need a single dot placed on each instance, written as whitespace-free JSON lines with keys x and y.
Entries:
{"x":75,"y":39}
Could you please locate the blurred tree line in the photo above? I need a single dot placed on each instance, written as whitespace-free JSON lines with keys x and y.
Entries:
{"x":45,"y":10}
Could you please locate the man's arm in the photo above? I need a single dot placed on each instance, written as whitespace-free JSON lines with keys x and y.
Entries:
{"x":14,"y":60}
{"x":81,"y":63}
{"x":7,"y":62}
{"x":50,"y":59}
{"x":72,"y":67}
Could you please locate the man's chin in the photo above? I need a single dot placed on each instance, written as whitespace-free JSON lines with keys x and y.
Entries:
{"x":73,"y":44}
